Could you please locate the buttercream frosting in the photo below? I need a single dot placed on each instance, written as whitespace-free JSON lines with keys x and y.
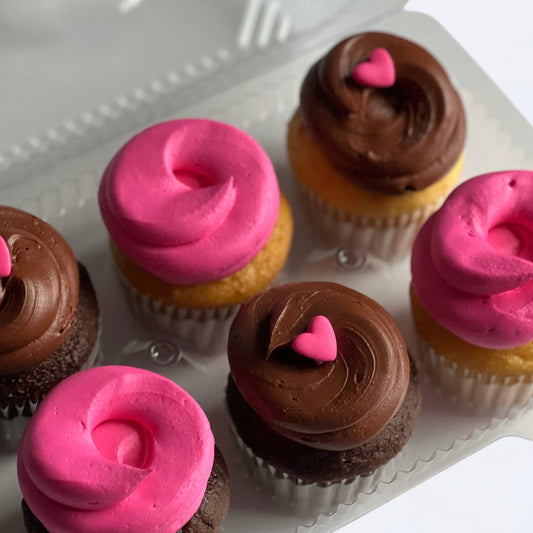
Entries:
{"x":385,"y":139}
{"x":190,"y":200}
{"x":334,"y":405}
{"x":472,"y":262}
{"x":39,"y":296}
{"x":115,"y":449}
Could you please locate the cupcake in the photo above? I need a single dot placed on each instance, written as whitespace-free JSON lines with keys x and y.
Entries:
{"x":376,"y":142}
{"x":121,"y":449}
{"x":472,"y":303}
{"x":49,"y":320}
{"x":197,"y":226}
{"x":321,"y":393}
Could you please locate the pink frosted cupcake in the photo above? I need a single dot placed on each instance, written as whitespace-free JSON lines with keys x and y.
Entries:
{"x":197,"y":225}
{"x":471,"y":293}
{"x":121,"y":449}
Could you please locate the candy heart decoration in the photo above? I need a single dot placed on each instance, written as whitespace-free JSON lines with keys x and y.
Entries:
{"x":5,"y":259}
{"x":377,"y":72}
{"x":318,"y":342}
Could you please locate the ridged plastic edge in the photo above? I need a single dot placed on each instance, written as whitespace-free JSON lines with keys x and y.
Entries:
{"x":478,"y":437}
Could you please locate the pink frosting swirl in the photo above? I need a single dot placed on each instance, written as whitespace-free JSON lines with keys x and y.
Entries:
{"x":116,"y":449}
{"x":190,"y":201}
{"x":472,"y":262}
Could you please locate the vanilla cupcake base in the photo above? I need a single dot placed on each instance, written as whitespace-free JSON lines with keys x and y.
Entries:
{"x":344,"y":214}
{"x":486,"y":380}
{"x":482,"y":391}
{"x":205,"y":330}
{"x":384,"y":237}
{"x":201,"y":314}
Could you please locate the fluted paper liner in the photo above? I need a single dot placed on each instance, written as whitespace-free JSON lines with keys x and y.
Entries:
{"x":303,"y":496}
{"x":385,"y":237}
{"x":205,"y":329}
{"x":483,"y":391}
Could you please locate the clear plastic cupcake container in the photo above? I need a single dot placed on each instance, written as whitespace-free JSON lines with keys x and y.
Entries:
{"x":246,"y":72}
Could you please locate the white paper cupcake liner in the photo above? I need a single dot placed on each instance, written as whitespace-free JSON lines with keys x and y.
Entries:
{"x":11,"y":429}
{"x":482,"y":391}
{"x":385,"y":237}
{"x":320,"y":497}
{"x":204,"y":329}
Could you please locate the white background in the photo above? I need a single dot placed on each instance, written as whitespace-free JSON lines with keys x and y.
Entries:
{"x":490,"y":491}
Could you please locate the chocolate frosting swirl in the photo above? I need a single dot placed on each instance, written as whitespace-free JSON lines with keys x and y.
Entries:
{"x":334,"y":405}
{"x":39,"y":298}
{"x":390,"y":140}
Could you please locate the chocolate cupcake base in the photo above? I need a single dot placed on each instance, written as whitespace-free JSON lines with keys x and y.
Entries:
{"x":214,"y":506}
{"x":314,"y":478}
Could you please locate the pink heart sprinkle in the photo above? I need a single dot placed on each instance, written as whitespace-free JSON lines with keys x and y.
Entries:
{"x":318,"y":342}
{"x":378,"y":71}
{"x":5,"y":259}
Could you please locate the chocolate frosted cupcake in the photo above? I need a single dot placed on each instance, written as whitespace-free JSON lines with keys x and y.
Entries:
{"x":49,"y":318}
{"x":321,"y":393}
{"x":376,"y":143}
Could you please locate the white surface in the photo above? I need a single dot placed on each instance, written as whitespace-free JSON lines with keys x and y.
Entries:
{"x":497,"y":34}
{"x":485,"y":492}
{"x":488,"y":492}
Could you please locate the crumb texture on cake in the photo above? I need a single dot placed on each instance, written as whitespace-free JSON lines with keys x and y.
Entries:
{"x":312,"y":465}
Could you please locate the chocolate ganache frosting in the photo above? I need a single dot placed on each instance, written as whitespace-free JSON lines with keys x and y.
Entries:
{"x":387,"y":140}
{"x":334,"y":405}
{"x":39,"y":298}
